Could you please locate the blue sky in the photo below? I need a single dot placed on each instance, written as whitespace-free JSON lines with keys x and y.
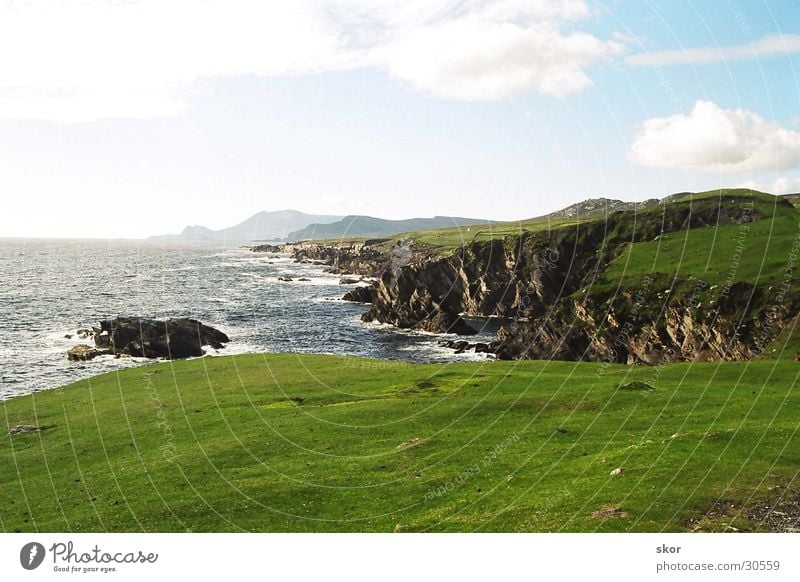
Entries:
{"x":137,"y":118}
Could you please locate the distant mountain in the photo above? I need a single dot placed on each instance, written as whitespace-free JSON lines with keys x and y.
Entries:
{"x":361,"y":226}
{"x":262,"y":226}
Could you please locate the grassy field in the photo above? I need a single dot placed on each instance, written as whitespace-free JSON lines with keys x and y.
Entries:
{"x":447,"y":239}
{"x":752,"y":251}
{"x":320,"y":443}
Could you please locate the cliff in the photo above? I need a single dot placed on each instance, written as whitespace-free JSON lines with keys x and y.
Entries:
{"x":574,"y":292}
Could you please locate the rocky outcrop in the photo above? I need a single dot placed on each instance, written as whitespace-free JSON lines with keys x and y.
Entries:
{"x":424,"y":296}
{"x":267,"y":248}
{"x":150,"y":338}
{"x":599,"y":207}
{"x":461,"y":346}
{"x":83,"y":353}
{"x":360,"y":294}
{"x":656,"y":326}
{"x":368,"y":258}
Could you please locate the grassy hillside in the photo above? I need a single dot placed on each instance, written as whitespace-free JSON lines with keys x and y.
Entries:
{"x":709,"y":253}
{"x":319,"y":443}
{"x":447,"y":239}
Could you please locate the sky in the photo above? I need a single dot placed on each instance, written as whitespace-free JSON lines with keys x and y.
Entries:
{"x":130,"y":118}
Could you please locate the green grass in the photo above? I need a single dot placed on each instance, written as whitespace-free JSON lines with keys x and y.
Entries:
{"x":319,"y":443}
{"x":444,"y":240}
{"x":448,"y":239}
{"x":755,"y":252}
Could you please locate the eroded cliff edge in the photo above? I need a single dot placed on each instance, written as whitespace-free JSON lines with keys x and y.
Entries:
{"x":558,"y":301}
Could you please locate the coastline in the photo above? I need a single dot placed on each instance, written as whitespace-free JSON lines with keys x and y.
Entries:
{"x":51,"y":290}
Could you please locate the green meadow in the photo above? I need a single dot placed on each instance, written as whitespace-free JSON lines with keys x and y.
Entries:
{"x":284,"y":442}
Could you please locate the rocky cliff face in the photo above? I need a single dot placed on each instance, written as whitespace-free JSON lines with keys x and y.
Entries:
{"x":657,"y":325}
{"x":368,"y":258}
{"x":544,"y":284}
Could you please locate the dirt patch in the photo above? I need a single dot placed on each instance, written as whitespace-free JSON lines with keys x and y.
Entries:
{"x":410,"y":443}
{"x":26,"y":429}
{"x":779,"y":513}
{"x":609,"y":511}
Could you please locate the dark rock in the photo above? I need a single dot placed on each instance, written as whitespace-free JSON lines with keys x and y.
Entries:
{"x":85,"y":333}
{"x":481,"y":348}
{"x":267,"y":249}
{"x":348,"y":281}
{"x":360,"y":294}
{"x":502,"y":354}
{"x":445,"y":322}
{"x":150,"y":338}
{"x":304,"y":279}
{"x":84,"y":353}
{"x":636,"y":386}
{"x":285,"y":278}
{"x":102,"y":340}
{"x":68,"y":336}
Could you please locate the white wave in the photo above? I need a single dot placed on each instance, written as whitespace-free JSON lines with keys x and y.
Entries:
{"x":433,"y":348}
{"x":179,"y":269}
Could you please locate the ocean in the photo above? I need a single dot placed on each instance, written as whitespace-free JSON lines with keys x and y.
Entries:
{"x":51,"y":288}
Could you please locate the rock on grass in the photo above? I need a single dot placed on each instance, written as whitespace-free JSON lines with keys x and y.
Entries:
{"x":636,"y":386}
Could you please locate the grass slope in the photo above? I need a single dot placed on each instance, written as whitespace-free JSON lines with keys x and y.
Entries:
{"x":448,"y":239}
{"x":755,"y":252}
{"x":320,"y":443}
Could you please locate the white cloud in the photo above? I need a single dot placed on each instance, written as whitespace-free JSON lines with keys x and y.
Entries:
{"x":769,"y":46}
{"x":783,"y":185}
{"x":715,"y":139}
{"x":494,"y":50}
{"x":99,"y":59}
{"x":482,"y":60}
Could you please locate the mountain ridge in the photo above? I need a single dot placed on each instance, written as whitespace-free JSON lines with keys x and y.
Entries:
{"x":358,"y":225}
{"x":264,"y":225}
